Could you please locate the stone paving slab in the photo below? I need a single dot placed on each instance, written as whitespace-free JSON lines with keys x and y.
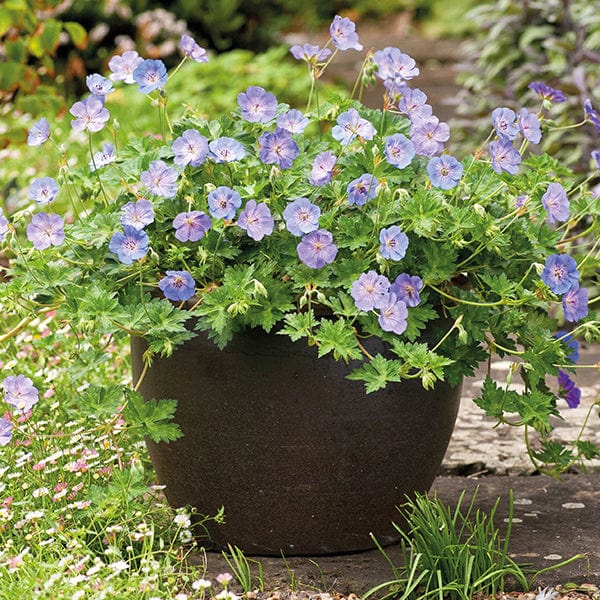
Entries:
{"x":553,"y":521}
{"x":477,"y":447}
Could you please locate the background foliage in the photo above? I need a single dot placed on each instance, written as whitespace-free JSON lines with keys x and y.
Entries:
{"x":517,"y":42}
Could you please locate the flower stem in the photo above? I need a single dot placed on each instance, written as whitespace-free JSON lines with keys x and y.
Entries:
{"x":106,"y":202}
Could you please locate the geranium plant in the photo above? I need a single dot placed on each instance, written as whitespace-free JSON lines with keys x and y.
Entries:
{"x":331,"y":223}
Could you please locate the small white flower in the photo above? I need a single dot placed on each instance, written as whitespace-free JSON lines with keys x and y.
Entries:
{"x":226,"y":595}
{"x":120,"y":565}
{"x":201,"y":584}
{"x":548,"y":593}
{"x":34,"y":514}
{"x":182,"y":520}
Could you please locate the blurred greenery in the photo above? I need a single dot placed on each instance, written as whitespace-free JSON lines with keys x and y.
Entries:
{"x":205,"y":89}
{"x":517,"y":42}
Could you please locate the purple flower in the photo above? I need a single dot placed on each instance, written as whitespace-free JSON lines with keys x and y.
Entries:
{"x":43,"y":190}
{"x":322,"y":168}
{"x":277,"y":148}
{"x":370,"y":291}
{"x":350,"y":125}
{"x":257,"y":105}
{"x":293,"y":121}
{"x":560,"y":273}
{"x":190,"y":148}
{"x":178,"y":286}
{"x":6,"y":428}
{"x":123,"y":66}
{"x":546,"y":92}
{"x":316,"y":249}
{"x":575,"y":304}
{"x":20,"y":392}
{"x":45,"y":230}
{"x":429,"y":136}
{"x":362,"y":189}
{"x":392,"y":64}
{"x":520,"y":201}
{"x":529,"y":125}
{"x":444,"y":171}
{"x":138,"y":214}
{"x":3,"y":226}
{"x":301,"y":216}
{"x":393,"y":314}
{"x":555,"y":201}
{"x":160,"y":179}
{"x":98,"y":85}
{"x":311,"y":54}
{"x":39,"y":132}
{"x":407,"y":288}
{"x":504,"y":157}
{"x":191,"y":49}
{"x":226,"y":149}
{"x":103,"y":157}
{"x":595,"y":154}
{"x":343,"y":34}
{"x":566,"y":338}
{"x":256,"y":220}
{"x":395,"y":68}
{"x":223,"y":202}
{"x":591,"y":114}
{"x":191,"y":226}
{"x":150,"y":75}
{"x":414,"y":105}
{"x":568,"y":390}
{"x":399,"y":150}
{"x":91,"y":114}
{"x":504,"y":121}
{"x":394,"y":243}
{"x":129,"y":245}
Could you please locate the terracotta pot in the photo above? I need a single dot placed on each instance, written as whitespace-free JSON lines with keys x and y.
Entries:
{"x":303,"y":461}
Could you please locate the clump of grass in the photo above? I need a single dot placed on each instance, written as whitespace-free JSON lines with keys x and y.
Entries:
{"x":453,"y":554}
{"x":240,"y":566}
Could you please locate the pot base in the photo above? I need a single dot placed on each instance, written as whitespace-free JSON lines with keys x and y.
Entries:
{"x":303,"y":461}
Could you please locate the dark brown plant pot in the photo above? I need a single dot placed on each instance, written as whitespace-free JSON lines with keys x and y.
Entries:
{"x":303,"y":461}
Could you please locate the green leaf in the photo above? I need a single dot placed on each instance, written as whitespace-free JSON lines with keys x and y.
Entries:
{"x":164,"y":326}
{"x":101,"y":401}
{"x":154,"y":417}
{"x":11,"y":74}
{"x":46,"y":42}
{"x":494,"y":400}
{"x":15,"y":50}
{"x":554,"y":453}
{"x":532,"y":33}
{"x":377,"y":373}
{"x":428,"y":365}
{"x":355,"y":231}
{"x":587,"y":449}
{"x":77,"y":34}
{"x":500,"y":284}
{"x":418,"y":317}
{"x":298,"y":325}
{"x":338,"y":337}
{"x":535,"y":409}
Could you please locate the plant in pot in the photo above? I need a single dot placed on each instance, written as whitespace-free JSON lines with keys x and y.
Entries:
{"x":306,"y":289}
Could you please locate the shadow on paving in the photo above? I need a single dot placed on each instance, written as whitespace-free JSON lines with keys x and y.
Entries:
{"x":553,"y":521}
